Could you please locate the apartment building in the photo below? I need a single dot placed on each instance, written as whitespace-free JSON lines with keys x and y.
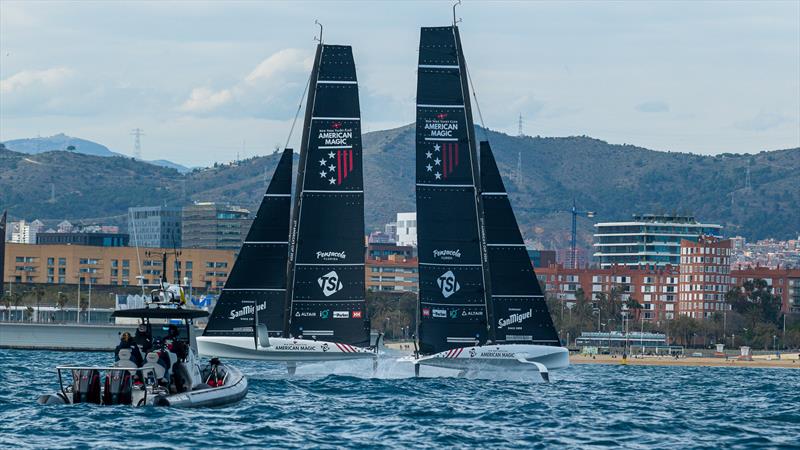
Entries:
{"x":704,"y":276}
{"x":121,"y":266}
{"x":391,"y":268}
{"x":647,"y":240}
{"x":654,"y":287}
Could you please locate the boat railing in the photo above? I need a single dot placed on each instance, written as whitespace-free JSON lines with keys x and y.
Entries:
{"x":147,"y":373}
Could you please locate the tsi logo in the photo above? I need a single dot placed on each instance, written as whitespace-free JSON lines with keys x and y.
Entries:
{"x":341,"y":314}
{"x":330,"y":283}
{"x":448,"y":284}
{"x":440,"y":313}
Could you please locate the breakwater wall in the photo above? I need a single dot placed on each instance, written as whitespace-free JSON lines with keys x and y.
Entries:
{"x":65,"y":337}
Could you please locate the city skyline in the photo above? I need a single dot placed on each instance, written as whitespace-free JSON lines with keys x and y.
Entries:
{"x":209,"y":82}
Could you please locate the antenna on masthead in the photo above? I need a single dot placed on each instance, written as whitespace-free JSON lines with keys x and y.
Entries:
{"x":455,"y":21}
{"x":319,"y":39}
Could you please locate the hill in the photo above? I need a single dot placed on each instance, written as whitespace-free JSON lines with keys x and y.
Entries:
{"x":61,"y":141}
{"x":614,"y":180}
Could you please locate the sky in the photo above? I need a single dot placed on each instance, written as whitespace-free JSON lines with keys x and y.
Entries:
{"x":210,"y":81}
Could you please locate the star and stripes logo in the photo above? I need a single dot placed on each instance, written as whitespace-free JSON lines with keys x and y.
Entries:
{"x":336,"y":165}
{"x":442,"y":159}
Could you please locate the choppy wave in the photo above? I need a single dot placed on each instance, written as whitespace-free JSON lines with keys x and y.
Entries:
{"x":343,"y":405}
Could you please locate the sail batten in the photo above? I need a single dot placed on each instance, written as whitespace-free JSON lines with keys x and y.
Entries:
{"x":325,"y":295}
{"x":258,"y":277}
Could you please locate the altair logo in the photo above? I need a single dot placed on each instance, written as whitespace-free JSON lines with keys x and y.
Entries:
{"x":448,"y":284}
{"x":514,"y":318}
{"x":330,"y":283}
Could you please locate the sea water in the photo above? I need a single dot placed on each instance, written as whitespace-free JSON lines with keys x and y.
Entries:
{"x":342,"y":405}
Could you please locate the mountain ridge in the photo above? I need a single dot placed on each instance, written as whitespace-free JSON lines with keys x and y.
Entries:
{"x":614,"y":180}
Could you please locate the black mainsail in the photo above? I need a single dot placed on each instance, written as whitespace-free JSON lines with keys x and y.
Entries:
{"x":258,"y":277}
{"x":520,"y":311}
{"x":453,"y":278}
{"x":325,"y":297}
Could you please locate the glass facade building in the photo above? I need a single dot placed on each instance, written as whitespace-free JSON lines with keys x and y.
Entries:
{"x":647,"y":240}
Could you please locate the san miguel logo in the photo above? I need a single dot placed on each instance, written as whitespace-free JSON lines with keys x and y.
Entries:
{"x":448,"y":284}
{"x":246,"y":310}
{"x":331,"y":256}
{"x":336,"y":125}
{"x":441,"y":116}
{"x":330,"y":283}
{"x":447,"y":254}
{"x":515,"y":318}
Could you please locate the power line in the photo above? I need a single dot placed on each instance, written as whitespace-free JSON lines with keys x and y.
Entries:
{"x":137,"y":134}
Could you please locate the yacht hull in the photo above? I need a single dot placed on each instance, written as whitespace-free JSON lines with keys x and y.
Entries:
{"x":280,"y":349}
{"x":502,"y":357}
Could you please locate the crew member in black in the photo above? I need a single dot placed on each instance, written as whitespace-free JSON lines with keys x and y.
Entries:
{"x":143,"y":338}
{"x":125,"y":341}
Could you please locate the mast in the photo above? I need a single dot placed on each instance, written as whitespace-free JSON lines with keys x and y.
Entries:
{"x":521,"y":312}
{"x":453,"y":277}
{"x":258,"y":277}
{"x":326,"y":286}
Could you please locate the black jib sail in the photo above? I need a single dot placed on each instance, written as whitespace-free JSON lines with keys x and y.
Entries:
{"x":258,"y":277}
{"x":521,"y":315}
{"x":325,"y":299}
{"x":453,"y":282}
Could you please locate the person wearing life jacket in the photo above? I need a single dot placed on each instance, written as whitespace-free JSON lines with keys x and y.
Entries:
{"x":125,"y":341}
{"x":143,"y":338}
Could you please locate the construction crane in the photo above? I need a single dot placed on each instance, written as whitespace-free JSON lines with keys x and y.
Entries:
{"x":573,"y":248}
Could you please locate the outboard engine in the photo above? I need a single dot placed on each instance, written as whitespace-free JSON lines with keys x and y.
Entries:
{"x":118,"y":388}
{"x":181,"y":378}
{"x":86,"y":386}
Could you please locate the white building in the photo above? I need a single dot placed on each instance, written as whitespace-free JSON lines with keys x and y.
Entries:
{"x":407,"y":229}
{"x":23,"y":232}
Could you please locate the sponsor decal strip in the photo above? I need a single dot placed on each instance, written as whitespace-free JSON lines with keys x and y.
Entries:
{"x":336,"y":118}
{"x":454,"y":352}
{"x":441,"y":139}
{"x":333,"y":147}
{"x":494,"y":193}
{"x":266,"y":242}
{"x":277,"y":195}
{"x":344,"y":348}
{"x":505,"y":245}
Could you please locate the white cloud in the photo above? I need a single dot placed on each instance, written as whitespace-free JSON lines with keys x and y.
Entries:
{"x":205,"y":100}
{"x":35,"y":79}
{"x":266,"y":91}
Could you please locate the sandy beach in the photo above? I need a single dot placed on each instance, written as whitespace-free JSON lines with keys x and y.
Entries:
{"x":788,"y":361}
